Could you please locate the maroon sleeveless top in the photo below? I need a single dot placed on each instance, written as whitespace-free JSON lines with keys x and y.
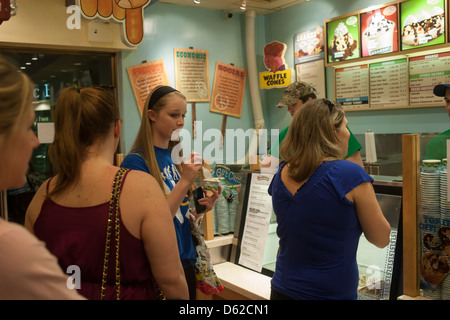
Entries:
{"x":77,"y":236}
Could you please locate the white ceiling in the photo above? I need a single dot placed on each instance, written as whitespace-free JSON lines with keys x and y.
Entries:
{"x":261,"y":7}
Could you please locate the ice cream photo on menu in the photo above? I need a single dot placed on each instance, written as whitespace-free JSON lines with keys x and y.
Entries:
{"x":343,"y":39}
{"x":379,"y":31}
{"x":422,"y":23}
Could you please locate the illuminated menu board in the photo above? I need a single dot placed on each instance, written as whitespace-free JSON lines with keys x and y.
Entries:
{"x":422,"y":23}
{"x":352,"y":87}
{"x":388,"y":87}
{"x":343,"y":39}
{"x":425,"y":72}
{"x":379,"y":31}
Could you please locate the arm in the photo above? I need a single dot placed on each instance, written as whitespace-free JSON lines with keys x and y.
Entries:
{"x":178,"y":193}
{"x":375,"y":226}
{"x":143,"y":194}
{"x":28,"y":270}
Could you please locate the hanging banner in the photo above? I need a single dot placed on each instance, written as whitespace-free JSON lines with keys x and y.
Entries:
{"x":228,"y":89}
{"x":278,"y":75}
{"x":192,"y":74}
{"x":146,"y":76}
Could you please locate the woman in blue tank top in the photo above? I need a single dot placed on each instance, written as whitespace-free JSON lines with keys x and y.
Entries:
{"x":322,"y":204}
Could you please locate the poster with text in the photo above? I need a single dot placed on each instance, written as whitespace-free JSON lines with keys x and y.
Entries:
{"x":257,"y":220}
{"x":228,"y":90}
{"x":343,"y":39}
{"x":379,"y":31}
{"x":422,"y":23}
{"x":313,"y":73}
{"x":192,"y":74}
{"x":146,"y":76}
{"x":308,"y":45}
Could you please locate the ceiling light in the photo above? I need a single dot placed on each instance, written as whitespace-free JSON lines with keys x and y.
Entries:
{"x":196,"y":1}
{"x":243,"y":5}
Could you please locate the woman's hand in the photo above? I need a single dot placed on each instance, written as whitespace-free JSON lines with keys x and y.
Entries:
{"x":191,"y":166}
{"x":210,"y":200}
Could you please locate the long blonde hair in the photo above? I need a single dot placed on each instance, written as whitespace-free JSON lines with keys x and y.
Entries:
{"x":82,"y":116}
{"x":16,"y":97}
{"x":311,"y":138}
{"x":144,"y":145}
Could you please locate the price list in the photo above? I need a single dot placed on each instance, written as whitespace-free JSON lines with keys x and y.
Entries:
{"x":388,"y":87}
{"x":352,"y":87}
{"x":424,"y":73}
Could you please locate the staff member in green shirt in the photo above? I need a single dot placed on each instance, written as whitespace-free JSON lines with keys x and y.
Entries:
{"x":295,"y":95}
{"x":437,"y":146}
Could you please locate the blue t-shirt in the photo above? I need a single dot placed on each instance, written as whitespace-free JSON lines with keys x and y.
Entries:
{"x":319,"y":233}
{"x":170,"y":177}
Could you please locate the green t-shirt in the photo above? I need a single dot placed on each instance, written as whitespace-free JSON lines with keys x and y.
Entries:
{"x":437,"y":146}
{"x":353,"y":143}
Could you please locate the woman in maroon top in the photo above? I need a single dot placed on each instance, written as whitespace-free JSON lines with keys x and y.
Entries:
{"x":70,"y":211}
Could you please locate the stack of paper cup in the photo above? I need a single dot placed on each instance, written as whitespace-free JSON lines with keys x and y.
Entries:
{"x":371,"y":152}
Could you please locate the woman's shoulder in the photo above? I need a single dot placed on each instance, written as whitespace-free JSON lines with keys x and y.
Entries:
{"x":135,"y":161}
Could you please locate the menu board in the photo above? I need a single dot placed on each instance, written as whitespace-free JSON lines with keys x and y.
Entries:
{"x":352,"y":86}
{"x":379,"y":31}
{"x":257,"y":220}
{"x":425,"y":72}
{"x":422,"y":23}
{"x":388,"y":87}
{"x":343,"y":39}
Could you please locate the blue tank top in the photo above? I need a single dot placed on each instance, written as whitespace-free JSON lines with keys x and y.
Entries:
{"x":319,"y":233}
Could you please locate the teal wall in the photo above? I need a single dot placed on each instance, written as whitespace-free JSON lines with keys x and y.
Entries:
{"x":170,"y":26}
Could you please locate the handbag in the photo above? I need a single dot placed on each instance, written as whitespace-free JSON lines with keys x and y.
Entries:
{"x":113,"y":218}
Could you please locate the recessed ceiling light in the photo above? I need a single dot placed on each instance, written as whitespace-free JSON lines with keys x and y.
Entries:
{"x":23,"y":68}
{"x":28,"y":63}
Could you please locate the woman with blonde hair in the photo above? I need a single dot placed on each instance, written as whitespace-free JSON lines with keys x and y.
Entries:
{"x":322,"y":204}
{"x":103,"y":219}
{"x":162,"y":120}
{"x":27,"y":270}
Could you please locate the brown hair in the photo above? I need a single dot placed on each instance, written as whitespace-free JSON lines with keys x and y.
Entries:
{"x":16,"y":96}
{"x":82,"y":116}
{"x":311,"y":138}
{"x":143,"y":143}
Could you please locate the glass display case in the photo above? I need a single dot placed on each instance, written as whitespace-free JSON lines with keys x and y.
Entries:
{"x":380,"y":269}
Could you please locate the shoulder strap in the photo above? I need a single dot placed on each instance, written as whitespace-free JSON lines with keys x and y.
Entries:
{"x":113,"y":214}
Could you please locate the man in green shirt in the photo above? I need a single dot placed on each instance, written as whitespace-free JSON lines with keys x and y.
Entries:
{"x":437,"y":146}
{"x":295,"y":95}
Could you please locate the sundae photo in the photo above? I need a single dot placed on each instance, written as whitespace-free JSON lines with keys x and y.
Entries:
{"x":422,"y":28}
{"x":342,"y":45}
{"x":379,"y":35}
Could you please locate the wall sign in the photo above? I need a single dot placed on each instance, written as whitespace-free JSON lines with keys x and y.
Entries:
{"x":130,"y":13}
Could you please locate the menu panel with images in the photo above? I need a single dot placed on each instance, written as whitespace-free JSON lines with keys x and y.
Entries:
{"x":352,"y":87}
{"x":379,"y":31}
{"x":425,"y":72}
{"x":388,"y":87}
{"x":308,"y":45}
{"x":422,"y":23}
{"x":343,"y":39}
